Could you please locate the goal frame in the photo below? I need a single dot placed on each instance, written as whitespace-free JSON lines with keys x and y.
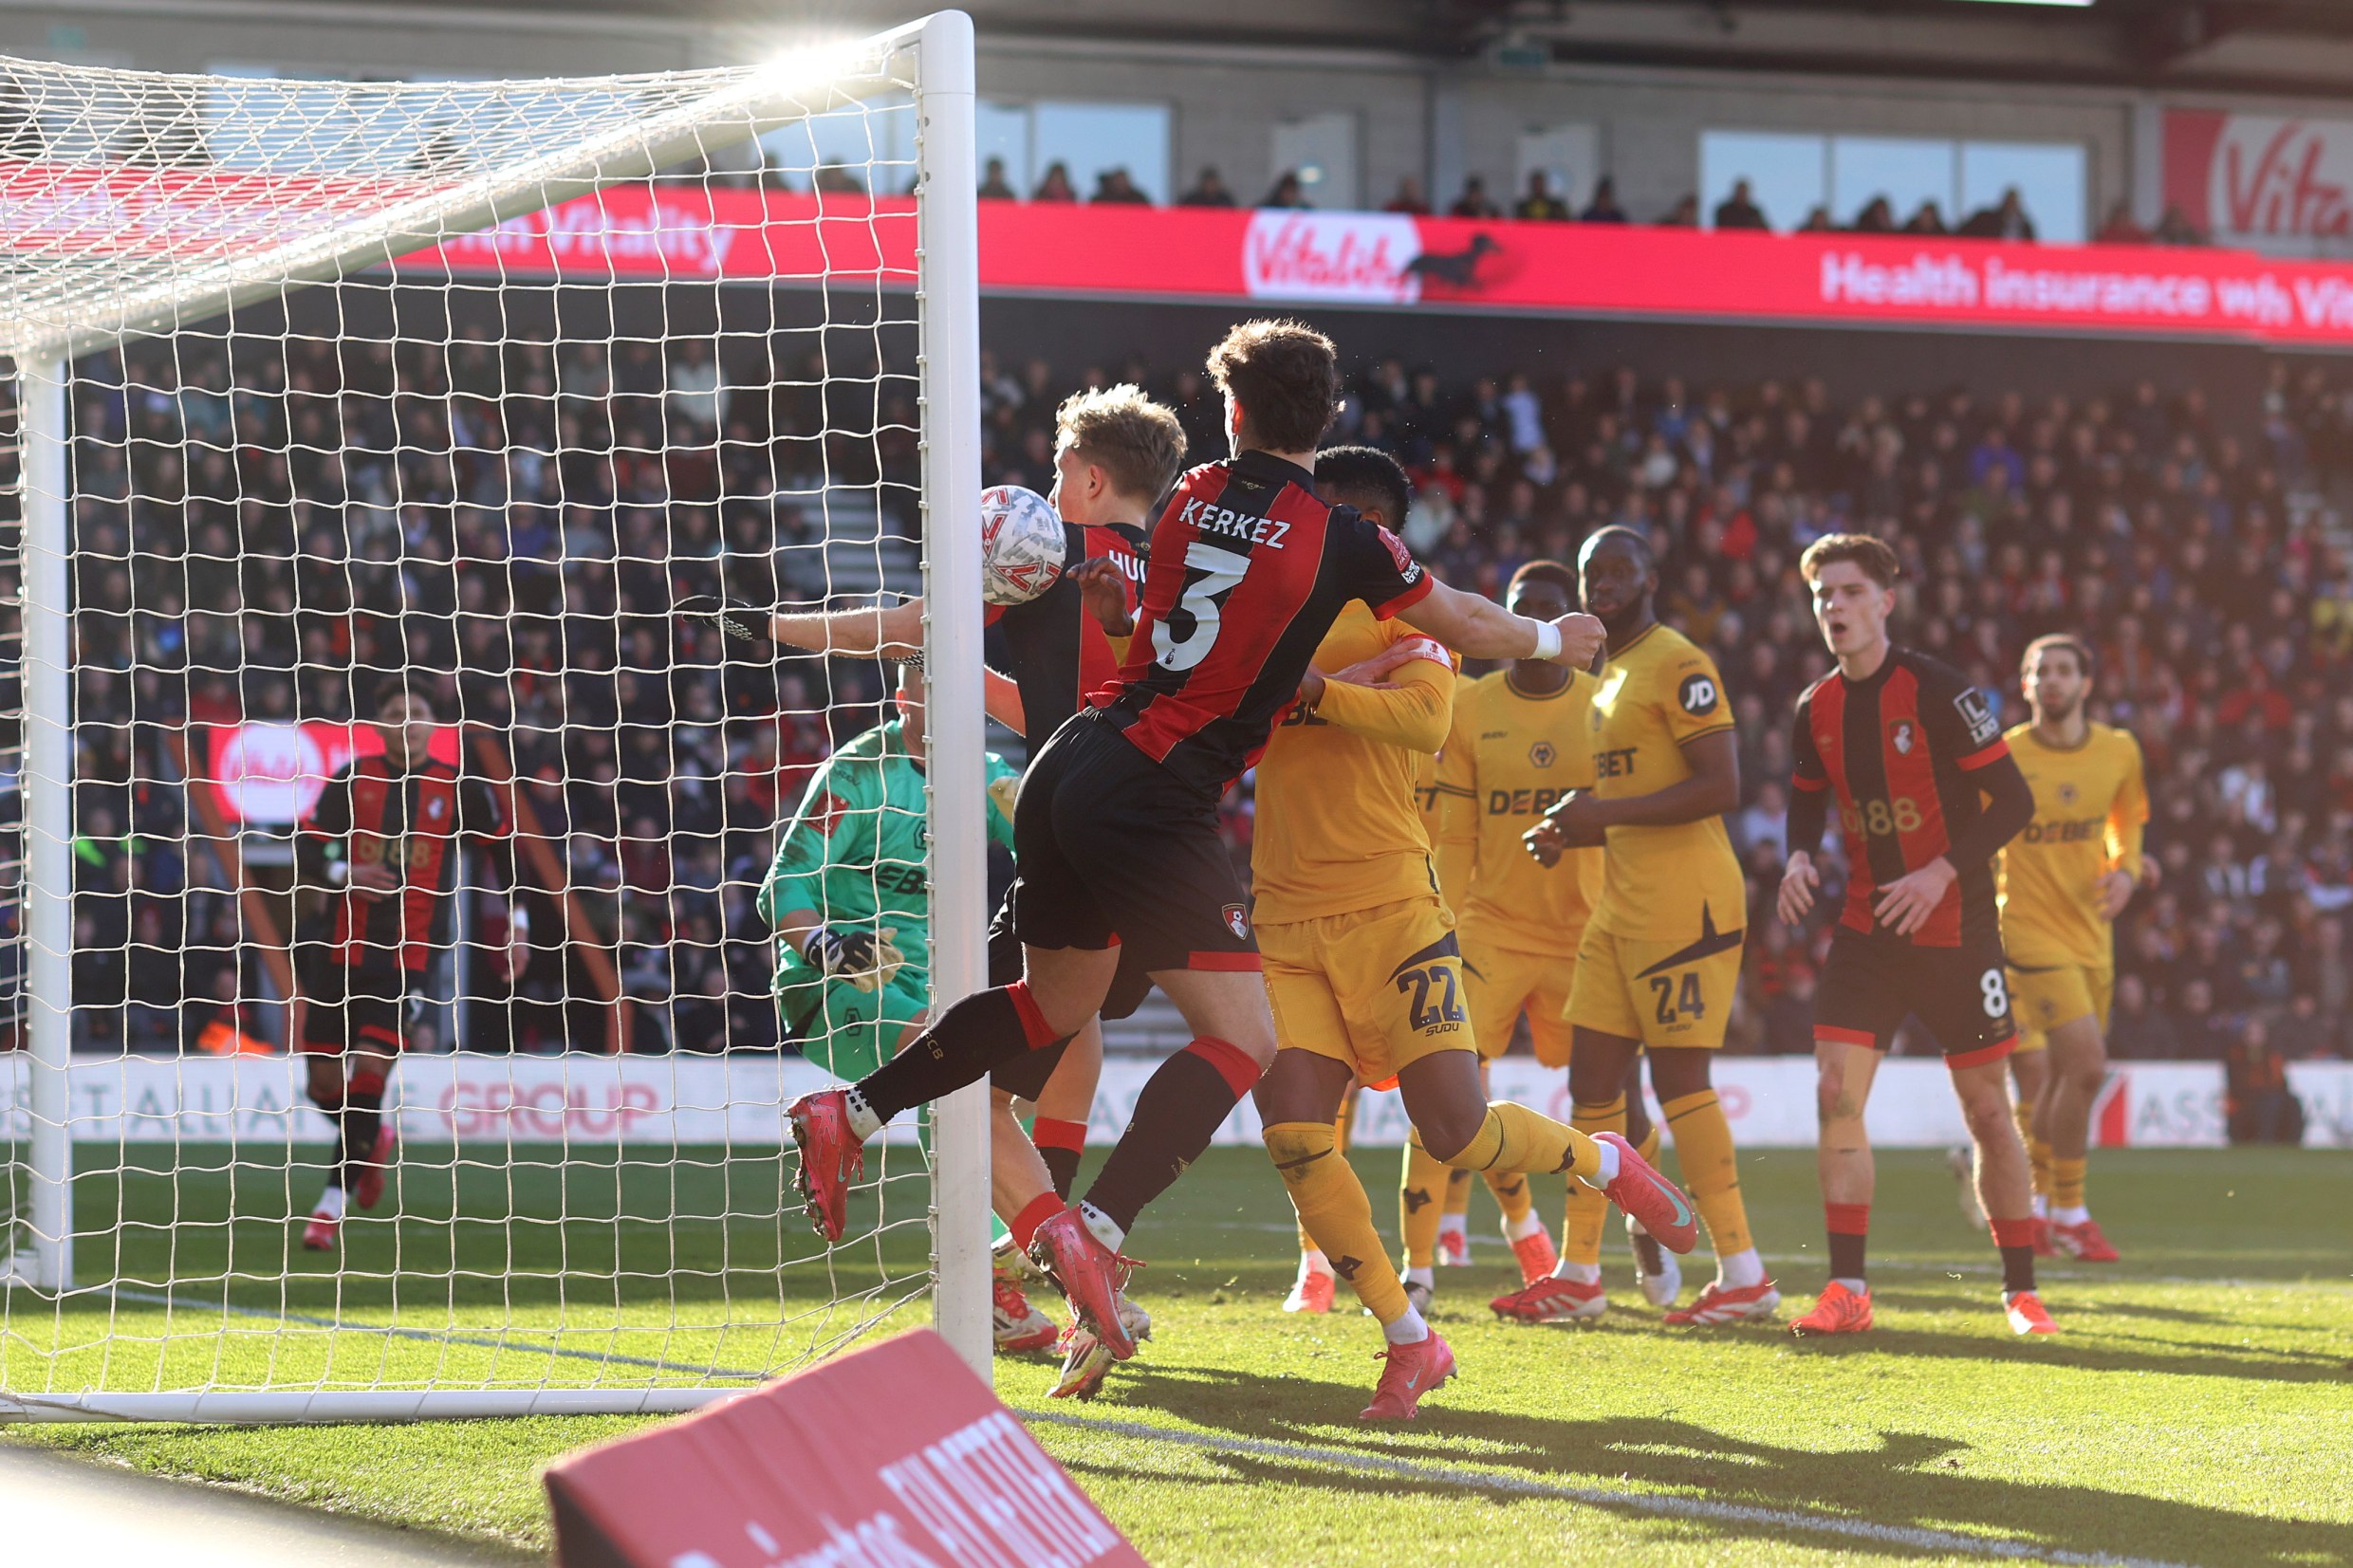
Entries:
{"x":948,"y":324}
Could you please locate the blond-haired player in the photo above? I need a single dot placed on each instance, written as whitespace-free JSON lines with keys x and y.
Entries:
{"x":1660,"y":957}
{"x":2063,"y":881}
{"x":1363,"y":973}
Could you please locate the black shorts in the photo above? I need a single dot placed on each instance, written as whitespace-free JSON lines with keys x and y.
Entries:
{"x":1873,"y":979}
{"x":1112,"y":848}
{"x":1024,"y":1077}
{"x":356,"y":1009}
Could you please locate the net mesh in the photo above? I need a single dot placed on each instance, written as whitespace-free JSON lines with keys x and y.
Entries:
{"x":445,"y":390}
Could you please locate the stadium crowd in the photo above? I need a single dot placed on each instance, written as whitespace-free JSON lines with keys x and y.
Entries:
{"x":268,"y":527}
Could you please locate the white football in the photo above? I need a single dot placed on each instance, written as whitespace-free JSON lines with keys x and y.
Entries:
{"x":1022,"y":544}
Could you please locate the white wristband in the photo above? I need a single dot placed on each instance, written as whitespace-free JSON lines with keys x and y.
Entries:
{"x":1547,"y":640}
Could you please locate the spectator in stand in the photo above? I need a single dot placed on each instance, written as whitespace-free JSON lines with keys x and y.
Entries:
{"x":1739,"y":209}
{"x":2257,"y":1104}
{"x":2120,"y":228}
{"x":994,"y":185}
{"x":2174,"y":228}
{"x":1056,"y":186}
{"x":1818,"y":221}
{"x":1473,"y":202}
{"x":1927,"y":220}
{"x":2137,"y":1030}
{"x":1208,"y":191}
{"x":2005,"y":220}
{"x":1540,"y":204}
{"x":1604,"y":208}
{"x":1113,"y":187}
{"x":1408,"y":198}
{"x":1876,"y":218}
{"x":1683,"y":214}
{"x":1287,"y":190}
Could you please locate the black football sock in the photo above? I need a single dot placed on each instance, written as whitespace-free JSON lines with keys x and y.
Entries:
{"x":1177,"y":1112}
{"x":1849,"y":1226}
{"x":2016,"y":1240}
{"x":1060,"y":1145}
{"x":331,"y":1107}
{"x":973,"y":1039}
{"x":363,"y":1115}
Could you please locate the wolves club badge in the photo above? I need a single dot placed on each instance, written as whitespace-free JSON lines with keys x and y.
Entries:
{"x":1237,"y":920}
{"x":1541,"y":755}
{"x":1903,"y":735}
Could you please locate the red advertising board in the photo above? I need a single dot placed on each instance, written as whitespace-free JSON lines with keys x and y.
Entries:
{"x":1391,"y":261}
{"x":2271,"y":182}
{"x":894,"y":1455}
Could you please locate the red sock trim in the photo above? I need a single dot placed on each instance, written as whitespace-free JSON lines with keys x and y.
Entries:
{"x":1033,"y":1214}
{"x":366,"y":1083}
{"x":1048,"y":1132}
{"x":1833,"y":1035}
{"x":1847,"y":1219}
{"x":1034,"y":1025}
{"x":1234,"y":963}
{"x":1983,"y":1054}
{"x":1233,"y":1064}
{"x":2014,"y":1232}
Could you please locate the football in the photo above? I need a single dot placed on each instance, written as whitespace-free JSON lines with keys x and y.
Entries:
{"x":1022,"y":544}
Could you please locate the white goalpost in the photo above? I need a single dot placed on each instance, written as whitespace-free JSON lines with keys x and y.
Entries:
{"x":326,"y":389}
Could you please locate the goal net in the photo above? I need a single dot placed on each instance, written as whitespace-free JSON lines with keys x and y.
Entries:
{"x":362,"y":441}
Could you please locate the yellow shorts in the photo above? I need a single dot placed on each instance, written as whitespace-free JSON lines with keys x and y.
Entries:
{"x":1503,"y":984}
{"x":1376,"y":988}
{"x":1661,"y":993}
{"x":2045,"y":996}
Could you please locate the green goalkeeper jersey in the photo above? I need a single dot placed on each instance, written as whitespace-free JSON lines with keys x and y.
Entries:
{"x":858,"y":854}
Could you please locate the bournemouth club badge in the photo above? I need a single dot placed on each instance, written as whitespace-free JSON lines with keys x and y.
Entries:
{"x":1237,"y":920}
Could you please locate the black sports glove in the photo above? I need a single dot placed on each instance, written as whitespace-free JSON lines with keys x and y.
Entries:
{"x":838,"y":955}
{"x":743,"y":629}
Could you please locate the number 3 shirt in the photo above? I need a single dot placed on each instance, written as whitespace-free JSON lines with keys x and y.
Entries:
{"x":1662,"y":884}
{"x":1248,"y":571}
{"x":1908,"y":754}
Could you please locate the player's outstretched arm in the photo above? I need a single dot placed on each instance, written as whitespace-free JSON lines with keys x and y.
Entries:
{"x":893,"y":633}
{"x":1477,"y":627}
{"x":1403,"y":696}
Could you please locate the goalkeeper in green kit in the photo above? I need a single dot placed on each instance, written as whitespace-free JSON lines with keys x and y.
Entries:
{"x":849,"y":900}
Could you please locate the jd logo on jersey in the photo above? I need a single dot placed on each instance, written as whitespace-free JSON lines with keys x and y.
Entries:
{"x":1237,"y":920}
{"x":1902,"y":734}
{"x":1541,"y":755}
{"x":1697,"y":694}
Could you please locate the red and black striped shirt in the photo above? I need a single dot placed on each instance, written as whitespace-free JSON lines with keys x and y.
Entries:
{"x":409,"y":824}
{"x":1912,"y":754}
{"x":1248,"y":570}
{"x":1054,"y":649}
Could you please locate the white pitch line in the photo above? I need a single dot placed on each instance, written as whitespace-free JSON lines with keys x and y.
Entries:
{"x":1912,"y":1537}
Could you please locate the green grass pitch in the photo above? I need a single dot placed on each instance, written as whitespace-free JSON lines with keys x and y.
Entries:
{"x":2198,"y":1409}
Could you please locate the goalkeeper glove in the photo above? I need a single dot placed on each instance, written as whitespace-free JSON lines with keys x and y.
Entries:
{"x":743,"y":629}
{"x":866,"y":959}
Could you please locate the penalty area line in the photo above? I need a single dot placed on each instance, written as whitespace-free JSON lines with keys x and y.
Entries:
{"x":1664,"y":1505}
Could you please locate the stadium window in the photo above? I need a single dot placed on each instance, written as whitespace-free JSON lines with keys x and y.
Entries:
{"x":2049,"y":179}
{"x":1569,"y":156}
{"x":1788,"y":175}
{"x":1002,"y":131}
{"x":1091,"y":140}
{"x":1907,"y":171}
{"x":1322,"y":151}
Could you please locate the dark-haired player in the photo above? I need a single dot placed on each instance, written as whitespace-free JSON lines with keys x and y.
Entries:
{"x":2065,"y":880}
{"x":1927,"y":793}
{"x":1115,"y":832}
{"x":382,"y":847}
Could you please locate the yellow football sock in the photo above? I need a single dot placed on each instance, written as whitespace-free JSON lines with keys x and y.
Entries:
{"x":2066,"y":1182}
{"x":2038,"y":1152}
{"x":1648,"y":1148}
{"x":1516,"y":1139}
{"x":1458,"y":1205}
{"x":1337,"y":1213}
{"x":1703,"y":1141}
{"x":1581,"y":1228}
{"x":1339,"y":1146}
{"x":1512,"y":1193}
{"x":2046,"y":1170}
{"x":1418,"y":1202}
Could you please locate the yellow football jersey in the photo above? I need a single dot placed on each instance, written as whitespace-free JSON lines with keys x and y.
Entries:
{"x":1339,"y":825}
{"x":1509,"y":756}
{"x":2089,"y":805}
{"x":1662,"y":883}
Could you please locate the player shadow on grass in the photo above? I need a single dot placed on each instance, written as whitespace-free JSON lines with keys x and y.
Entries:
{"x":1910,"y":1480}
